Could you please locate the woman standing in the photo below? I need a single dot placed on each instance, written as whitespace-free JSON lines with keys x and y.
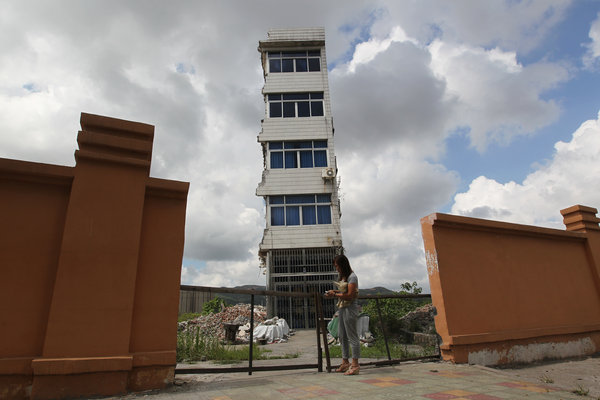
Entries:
{"x":347,"y":315}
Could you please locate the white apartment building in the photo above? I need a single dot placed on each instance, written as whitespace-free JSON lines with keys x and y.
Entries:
{"x":299,"y":181}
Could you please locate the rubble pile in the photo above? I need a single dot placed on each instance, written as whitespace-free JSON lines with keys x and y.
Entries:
{"x":213,"y":325}
{"x":420,"y":320}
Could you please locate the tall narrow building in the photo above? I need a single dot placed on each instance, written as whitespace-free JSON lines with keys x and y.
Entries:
{"x":299,"y":181}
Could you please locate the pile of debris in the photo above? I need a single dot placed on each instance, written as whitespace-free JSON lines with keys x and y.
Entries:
{"x":418,"y":326}
{"x":213,"y":325}
{"x":420,"y":320}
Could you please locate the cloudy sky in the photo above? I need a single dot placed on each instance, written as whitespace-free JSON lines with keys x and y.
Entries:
{"x":476,"y":108}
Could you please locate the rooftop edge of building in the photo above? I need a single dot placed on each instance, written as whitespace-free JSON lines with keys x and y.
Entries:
{"x":288,"y":36}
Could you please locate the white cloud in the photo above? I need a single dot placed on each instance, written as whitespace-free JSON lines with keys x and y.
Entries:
{"x":593,"y":48}
{"x":223,"y":273}
{"x":495,"y":96}
{"x":518,"y":25}
{"x":568,"y":179}
{"x":382,"y":201}
{"x":403,"y":80}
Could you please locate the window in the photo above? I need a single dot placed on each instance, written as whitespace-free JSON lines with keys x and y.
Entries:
{"x":303,"y":209}
{"x":304,"y":154}
{"x":291,"y":105}
{"x":294,"y":61}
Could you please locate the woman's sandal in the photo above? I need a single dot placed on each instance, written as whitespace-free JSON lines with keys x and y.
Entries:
{"x":343,"y":368}
{"x":352,"y":371}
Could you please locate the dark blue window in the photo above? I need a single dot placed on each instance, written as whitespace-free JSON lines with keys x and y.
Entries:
{"x":276,"y":200}
{"x":294,"y":61}
{"x":306,"y":159}
{"x":309,"y":216}
{"x":277,"y":216}
{"x":324,"y":214}
{"x":289,"y":109}
{"x":303,"y":109}
{"x":314,"y":64}
{"x":316,"y":108}
{"x":291,"y":105}
{"x":300,"y":209}
{"x":320,"y":158}
{"x":301,"y":65}
{"x":287,"y":65}
{"x":277,"y":159}
{"x":275,"y":110}
{"x":292,"y":215}
{"x":296,"y":96}
{"x":290,"y":159}
{"x":299,"y":199}
{"x":274,"y":65}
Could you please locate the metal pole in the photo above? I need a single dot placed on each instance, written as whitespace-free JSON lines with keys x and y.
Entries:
{"x":251,"y":333}
{"x":387,"y":348}
{"x":318,"y":326}
{"x":324,"y":333}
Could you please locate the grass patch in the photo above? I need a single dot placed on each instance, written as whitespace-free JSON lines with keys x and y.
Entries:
{"x":195,"y":346}
{"x":187,"y":316}
{"x":378,"y":350}
{"x":546,"y":379}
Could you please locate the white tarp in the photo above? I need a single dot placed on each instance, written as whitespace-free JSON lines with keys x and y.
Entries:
{"x":272,"y":330}
{"x":362,"y":326}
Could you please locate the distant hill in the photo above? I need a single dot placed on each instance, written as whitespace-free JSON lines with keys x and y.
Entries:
{"x":232,"y":299}
{"x":376,"y":290}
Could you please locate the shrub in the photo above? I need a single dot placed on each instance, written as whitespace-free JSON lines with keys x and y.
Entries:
{"x":392,"y":310}
{"x":213,"y":306}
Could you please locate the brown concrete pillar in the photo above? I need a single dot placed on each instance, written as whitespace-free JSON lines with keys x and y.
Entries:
{"x":86,"y":346}
{"x":580,"y":219}
{"x":583,"y":219}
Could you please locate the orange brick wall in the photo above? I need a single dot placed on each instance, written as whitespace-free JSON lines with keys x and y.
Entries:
{"x":90,"y":262}
{"x":508,"y":293}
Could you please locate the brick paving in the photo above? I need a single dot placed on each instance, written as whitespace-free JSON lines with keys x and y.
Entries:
{"x":416,"y":380}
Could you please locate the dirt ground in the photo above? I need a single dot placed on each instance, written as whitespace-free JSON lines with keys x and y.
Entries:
{"x":573,"y":374}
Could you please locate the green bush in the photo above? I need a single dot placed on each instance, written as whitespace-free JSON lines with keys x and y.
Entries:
{"x":213,"y":306}
{"x":392,"y":310}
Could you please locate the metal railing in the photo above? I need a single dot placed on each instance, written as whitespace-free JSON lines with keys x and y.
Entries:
{"x":321,"y":332}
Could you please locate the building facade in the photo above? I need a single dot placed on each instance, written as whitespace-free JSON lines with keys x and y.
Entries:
{"x":299,"y":181}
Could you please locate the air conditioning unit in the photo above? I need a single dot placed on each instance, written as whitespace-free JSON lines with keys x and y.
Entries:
{"x":328,"y":173}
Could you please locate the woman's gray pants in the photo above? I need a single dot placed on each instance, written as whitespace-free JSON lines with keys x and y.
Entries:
{"x":347,"y":333}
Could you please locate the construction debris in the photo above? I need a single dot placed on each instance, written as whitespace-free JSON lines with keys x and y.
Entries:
{"x":274,"y":330}
{"x":213,"y":325}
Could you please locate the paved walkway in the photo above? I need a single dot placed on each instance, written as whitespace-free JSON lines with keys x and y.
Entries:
{"x":415,"y":380}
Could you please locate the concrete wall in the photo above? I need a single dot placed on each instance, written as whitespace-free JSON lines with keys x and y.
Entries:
{"x":508,"y":293}
{"x":84,"y":251}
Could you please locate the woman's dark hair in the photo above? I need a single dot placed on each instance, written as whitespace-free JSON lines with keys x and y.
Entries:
{"x":345,"y":269}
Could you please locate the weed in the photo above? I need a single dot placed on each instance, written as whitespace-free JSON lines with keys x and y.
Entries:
{"x":378,"y":350}
{"x":546,"y":379}
{"x":196,"y":346}
{"x":187,"y":316}
{"x":580,"y":390}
